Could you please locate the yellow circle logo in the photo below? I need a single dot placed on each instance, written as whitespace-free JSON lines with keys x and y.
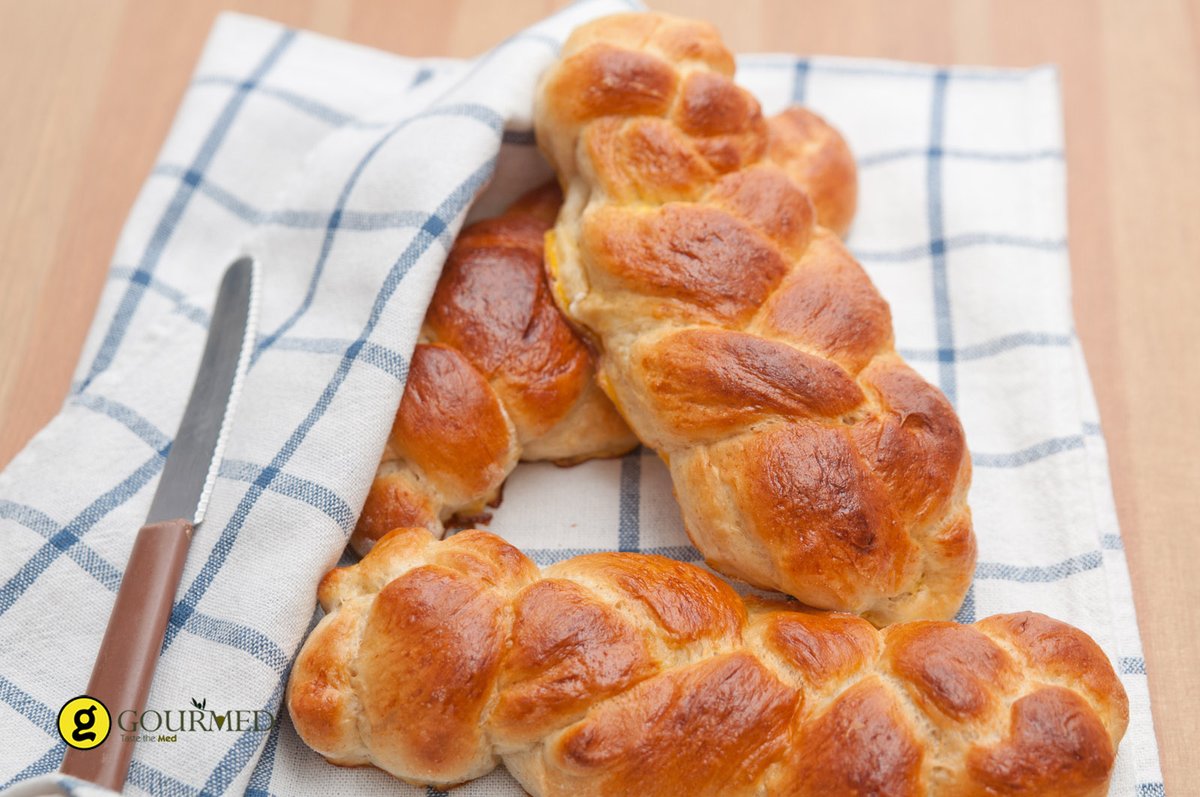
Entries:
{"x":83,"y":722}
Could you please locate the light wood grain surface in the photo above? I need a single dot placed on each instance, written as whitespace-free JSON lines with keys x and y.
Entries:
{"x":89,"y":89}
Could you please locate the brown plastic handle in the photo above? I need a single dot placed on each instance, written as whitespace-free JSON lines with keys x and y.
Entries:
{"x":129,"y":651}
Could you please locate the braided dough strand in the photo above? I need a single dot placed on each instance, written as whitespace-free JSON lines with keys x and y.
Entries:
{"x":739,"y":338}
{"x":629,"y":674}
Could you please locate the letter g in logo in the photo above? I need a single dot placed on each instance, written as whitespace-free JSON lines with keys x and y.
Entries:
{"x":83,"y":722}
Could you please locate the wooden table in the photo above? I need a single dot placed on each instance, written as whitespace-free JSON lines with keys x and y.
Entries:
{"x":90,"y":88}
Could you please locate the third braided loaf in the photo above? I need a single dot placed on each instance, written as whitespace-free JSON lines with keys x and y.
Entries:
{"x":626,"y":674}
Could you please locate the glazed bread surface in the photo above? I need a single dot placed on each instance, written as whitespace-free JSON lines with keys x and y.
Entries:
{"x":629,"y":674}
{"x":739,"y":338}
{"x":499,"y":375}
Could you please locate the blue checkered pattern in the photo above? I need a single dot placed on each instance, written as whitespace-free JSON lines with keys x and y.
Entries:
{"x":348,"y":172}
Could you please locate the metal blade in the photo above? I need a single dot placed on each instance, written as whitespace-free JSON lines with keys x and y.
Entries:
{"x":191,"y":468}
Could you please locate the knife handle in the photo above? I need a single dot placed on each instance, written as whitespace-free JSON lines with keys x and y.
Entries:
{"x":129,"y":651}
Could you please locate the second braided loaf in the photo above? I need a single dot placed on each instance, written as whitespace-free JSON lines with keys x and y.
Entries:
{"x":499,"y":375}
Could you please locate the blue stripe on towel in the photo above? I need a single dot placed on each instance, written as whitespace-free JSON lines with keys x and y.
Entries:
{"x":175,"y":209}
{"x":947,"y":379}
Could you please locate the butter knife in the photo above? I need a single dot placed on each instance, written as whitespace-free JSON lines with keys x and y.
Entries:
{"x":128,"y":654}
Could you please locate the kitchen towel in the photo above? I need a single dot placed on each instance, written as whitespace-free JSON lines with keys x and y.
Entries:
{"x":348,"y":173}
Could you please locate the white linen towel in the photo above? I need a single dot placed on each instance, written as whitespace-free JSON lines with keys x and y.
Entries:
{"x":348,"y":172}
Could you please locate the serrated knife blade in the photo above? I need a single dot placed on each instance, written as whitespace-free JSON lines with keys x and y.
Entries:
{"x":191,"y":468}
{"x":129,"y":651}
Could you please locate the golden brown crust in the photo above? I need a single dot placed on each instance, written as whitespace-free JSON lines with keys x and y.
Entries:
{"x":647,"y":160}
{"x":430,"y":651}
{"x":1057,"y":746}
{"x":683,"y":604}
{"x":704,"y":382}
{"x":827,"y":521}
{"x":707,"y":729}
{"x":452,"y":425}
{"x":628,"y":674}
{"x":502,"y":377}
{"x":567,"y":651}
{"x":653,"y":160}
{"x":493,"y":305}
{"x":914,"y":443}
{"x":949,"y":668}
{"x":862,"y":744}
{"x":822,"y":649}
{"x":321,"y":690}
{"x":772,"y":203}
{"x":817,"y":158}
{"x":807,"y":457}
{"x":603,"y":77}
{"x":1062,"y":652}
{"x":833,"y":310}
{"x":397,"y":499}
{"x":712,"y":263}
{"x":725,"y":124}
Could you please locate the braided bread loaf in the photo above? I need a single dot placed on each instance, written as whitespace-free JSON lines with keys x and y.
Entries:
{"x":740,"y":339}
{"x":627,"y":674}
{"x":500,"y":376}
